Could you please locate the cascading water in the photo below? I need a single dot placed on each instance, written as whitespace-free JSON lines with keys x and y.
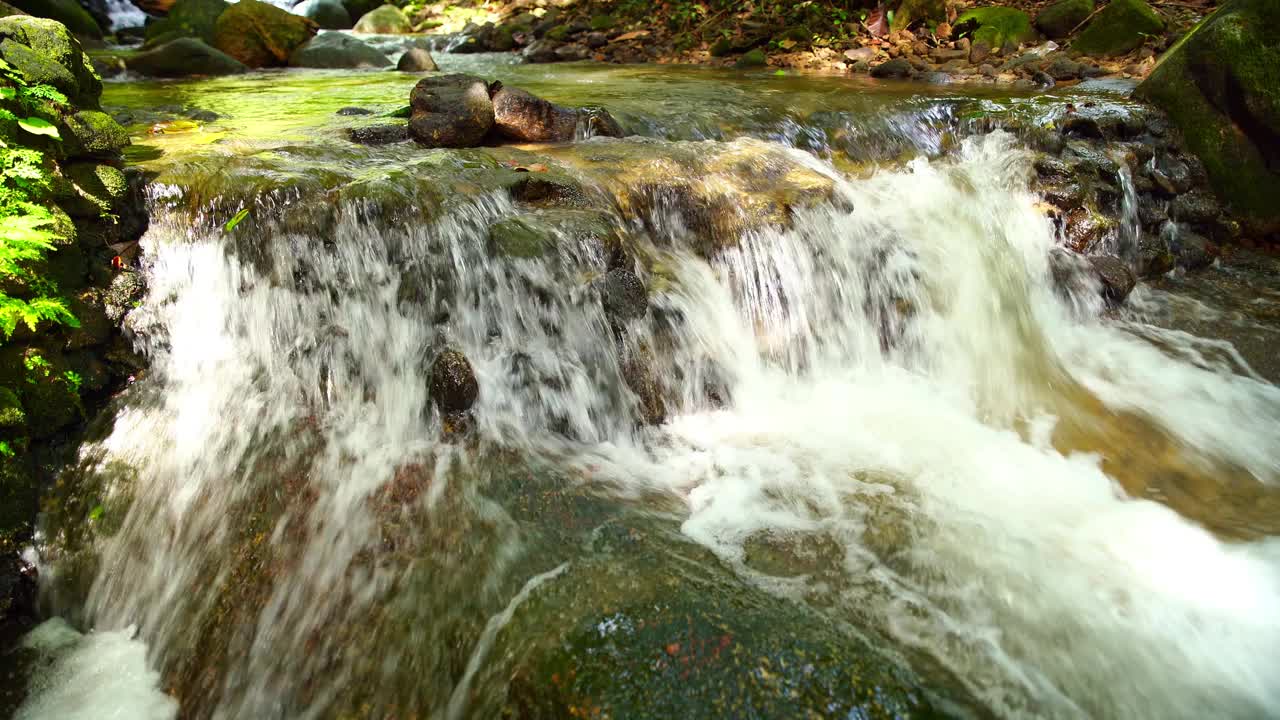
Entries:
{"x":887,"y":390}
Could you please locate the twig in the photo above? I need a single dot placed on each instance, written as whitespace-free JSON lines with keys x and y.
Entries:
{"x":1086,"y":20}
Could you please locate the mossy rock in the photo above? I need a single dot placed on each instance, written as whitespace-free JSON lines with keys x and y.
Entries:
{"x":357,"y":8}
{"x":1221,"y":87}
{"x":187,"y":18}
{"x":521,"y":238}
{"x":19,"y":496}
{"x":49,"y":395}
{"x":6,"y":10}
{"x":92,"y":190}
{"x":752,"y":59}
{"x":261,"y":35}
{"x":1120,"y":27}
{"x":721,"y":47}
{"x":67,"y":12}
{"x":328,"y":14}
{"x":602,"y":22}
{"x":185,"y":57}
{"x":1059,"y":19}
{"x":385,"y":20}
{"x":93,"y":133}
{"x":46,"y":52}
{"x":338,"y":50}
{"x":558,"y":33}
{"x":998,"y":27}
{"x":911,"y":11}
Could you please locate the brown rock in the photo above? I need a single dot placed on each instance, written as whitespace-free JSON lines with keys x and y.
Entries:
{"x":978,"y":52}
{"x":450,"y":111}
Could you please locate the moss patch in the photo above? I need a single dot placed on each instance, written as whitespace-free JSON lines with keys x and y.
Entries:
{"x":998,"y":27}
{"x":261,"y":35}
{"x":1059,"y":19}
{"x":1119,"y":28}
{"x":187,"y":18}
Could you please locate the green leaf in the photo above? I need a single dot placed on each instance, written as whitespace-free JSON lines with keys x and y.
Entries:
{"x":96,"y":513}
{"x":38,"y":126}
{"x":233,"y":222}
{"x":8,"y":93}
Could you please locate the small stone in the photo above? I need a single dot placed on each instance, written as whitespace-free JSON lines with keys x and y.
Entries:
{"x":351,"y":110}
{"x":597,"y":40}
{"x":453,"y":382}
{"x":898,"y":68}
{"x":417,"y":60}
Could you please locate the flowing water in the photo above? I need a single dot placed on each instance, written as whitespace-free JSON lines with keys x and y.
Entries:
{"x":898,"y":473}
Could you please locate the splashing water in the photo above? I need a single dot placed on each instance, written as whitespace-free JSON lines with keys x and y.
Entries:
{"x":891,"y":376}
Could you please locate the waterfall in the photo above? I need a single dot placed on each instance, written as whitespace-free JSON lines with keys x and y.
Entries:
{"x":890,"y":374}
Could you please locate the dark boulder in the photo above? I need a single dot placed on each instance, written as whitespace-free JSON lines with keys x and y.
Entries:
{"x":1060,"y":18}
{"x":898,"y":68}
{"x":541,"y":51}
{"x":328,"y":14}
{"x":1115,"y":276}
{"x":337,"y":50}
{"x":451,"y":111}
{"x":453,"y":382}
{"x":184,"y":57}
{"x":187,"y":18}
{"x":417,"y":60}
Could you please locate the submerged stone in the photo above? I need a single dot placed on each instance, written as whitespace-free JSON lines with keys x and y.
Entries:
{"x":1116,"y":278}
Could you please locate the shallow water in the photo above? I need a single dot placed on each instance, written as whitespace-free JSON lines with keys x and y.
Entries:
{"x":886,"y":431}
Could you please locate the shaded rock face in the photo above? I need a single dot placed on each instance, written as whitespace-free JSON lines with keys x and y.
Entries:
{"x":1116,"y":278}
{"x":624,"y":295}
{"x":453,"y":382}
{"x":1059,"y":19}
{"x":386,"y":20}
{"x":416,"y":60}
{"x":67,"y":12}
{"x":450,"y":111}
{"x":1221,"y":88}
{"x":1119,"y":28}
{"x":327,"y":14}
{"x":337,"y":50}
{"x":261,"y":35}
{"x":184,"y":57}
{"x":187,"y":18}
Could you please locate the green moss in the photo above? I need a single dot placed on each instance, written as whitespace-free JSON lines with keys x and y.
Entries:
{"x":603,"y":22}
{"x":1221,"y":88}
{"x":751,"y":59}
{"x":67,"y":12}
{"x":94,"y":190}
{"x":911,"y":11}
{"x":90,"y":132}
{"x":998,"y":27}
{"x":558,"y":33}
{"x":260,"y":35}
{"x":519,"y":238}
{"x":1059,"y":19}
{"x":387,"y":19}
{"x":721,"y":47}
{"x":45,"y":52}
{"x":1120,"y":27}
{"x":12,"y":416}
{"x":187,"y":18}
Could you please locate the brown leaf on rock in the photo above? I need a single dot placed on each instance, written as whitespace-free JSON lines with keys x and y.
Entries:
{"x":876,"y":23}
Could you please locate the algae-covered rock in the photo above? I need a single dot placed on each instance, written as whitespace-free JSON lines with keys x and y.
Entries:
{"x":44,"y":51}
{"x":260,"y":35}
{"x":752,"y":59}
{"x":185,"y":57}
{"x":521,"y":238}
{"x":1120,"y":27}
{"x":94,"y":189}
{"x":386,"y":20}
{"x":187,"y":18}
{"x":1221,"y":87}
{"x":338,"y":50}
{"x":91,"y":132}
{"x":1059,"y":19}
{"x":451,"y":111}
{"x":327,"y":14}
{"x":49,"y":391}
{"x":67,"y":12}
{"x":997,"y":27}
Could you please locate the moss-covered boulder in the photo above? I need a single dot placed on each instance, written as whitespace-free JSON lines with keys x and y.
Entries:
{"x":997,"y":27}
{"x":338,"y":50}
{"x":328,"y":14}
{"x":261,"y":35}
{"x":44,"y":51}
{"x":91,"y":189}
{"x":188,"y":18}
{"x":1221,"y":86}
{"x":1119,"y":28}
{"x":1059,"y":19}
{"x":752,"y":59}
{"x":385,"y":20}
{"x":67,"y":12}
{"x":184,"y":57}
{"x":91,"y":132}
{"x":913,"y":11}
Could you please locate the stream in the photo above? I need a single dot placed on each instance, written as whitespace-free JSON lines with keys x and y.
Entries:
{"x":857,"y":455}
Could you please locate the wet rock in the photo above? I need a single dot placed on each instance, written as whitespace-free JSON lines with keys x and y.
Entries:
{"x":520,"y":238}
{"x":337,"y":50}
{"x":327,"y":14}
{"x":1219,"y":88}
{"x":259,"y":34}
{"x":90,"y":132}
{"x":385,"y":20}
{"x":123,"y":294}
{"x":624,"y":296}
{"x":185,"y":57}
{"x":1116,"y":278}
{"x":186,"y":19}
{"x":1193,"y":251}
{"x":597,"y":122}
{"x":1119,"y":28}
{"x":352,"y":110}
{"x":91,"y":190}
{"x":451,"y":111}
{"x":637,"y":372}
{"x":1154,"y":258}
{"x":572,"y":51}
{"x":541,"y":51}
{"x":897,"y":68}
{"x":67,"y":12}
{"x":979,"y":52}
{"x":752,"y":59}
{"x":597,"y":40}
{"x":383,"y":134}
{"x":1064,"y":68}
{"x":417,"y":60}
{"x":524,"y":117}
{"x":453,"y":382}
{"x":1058,"y":19}
{"x":1194,"y":207}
